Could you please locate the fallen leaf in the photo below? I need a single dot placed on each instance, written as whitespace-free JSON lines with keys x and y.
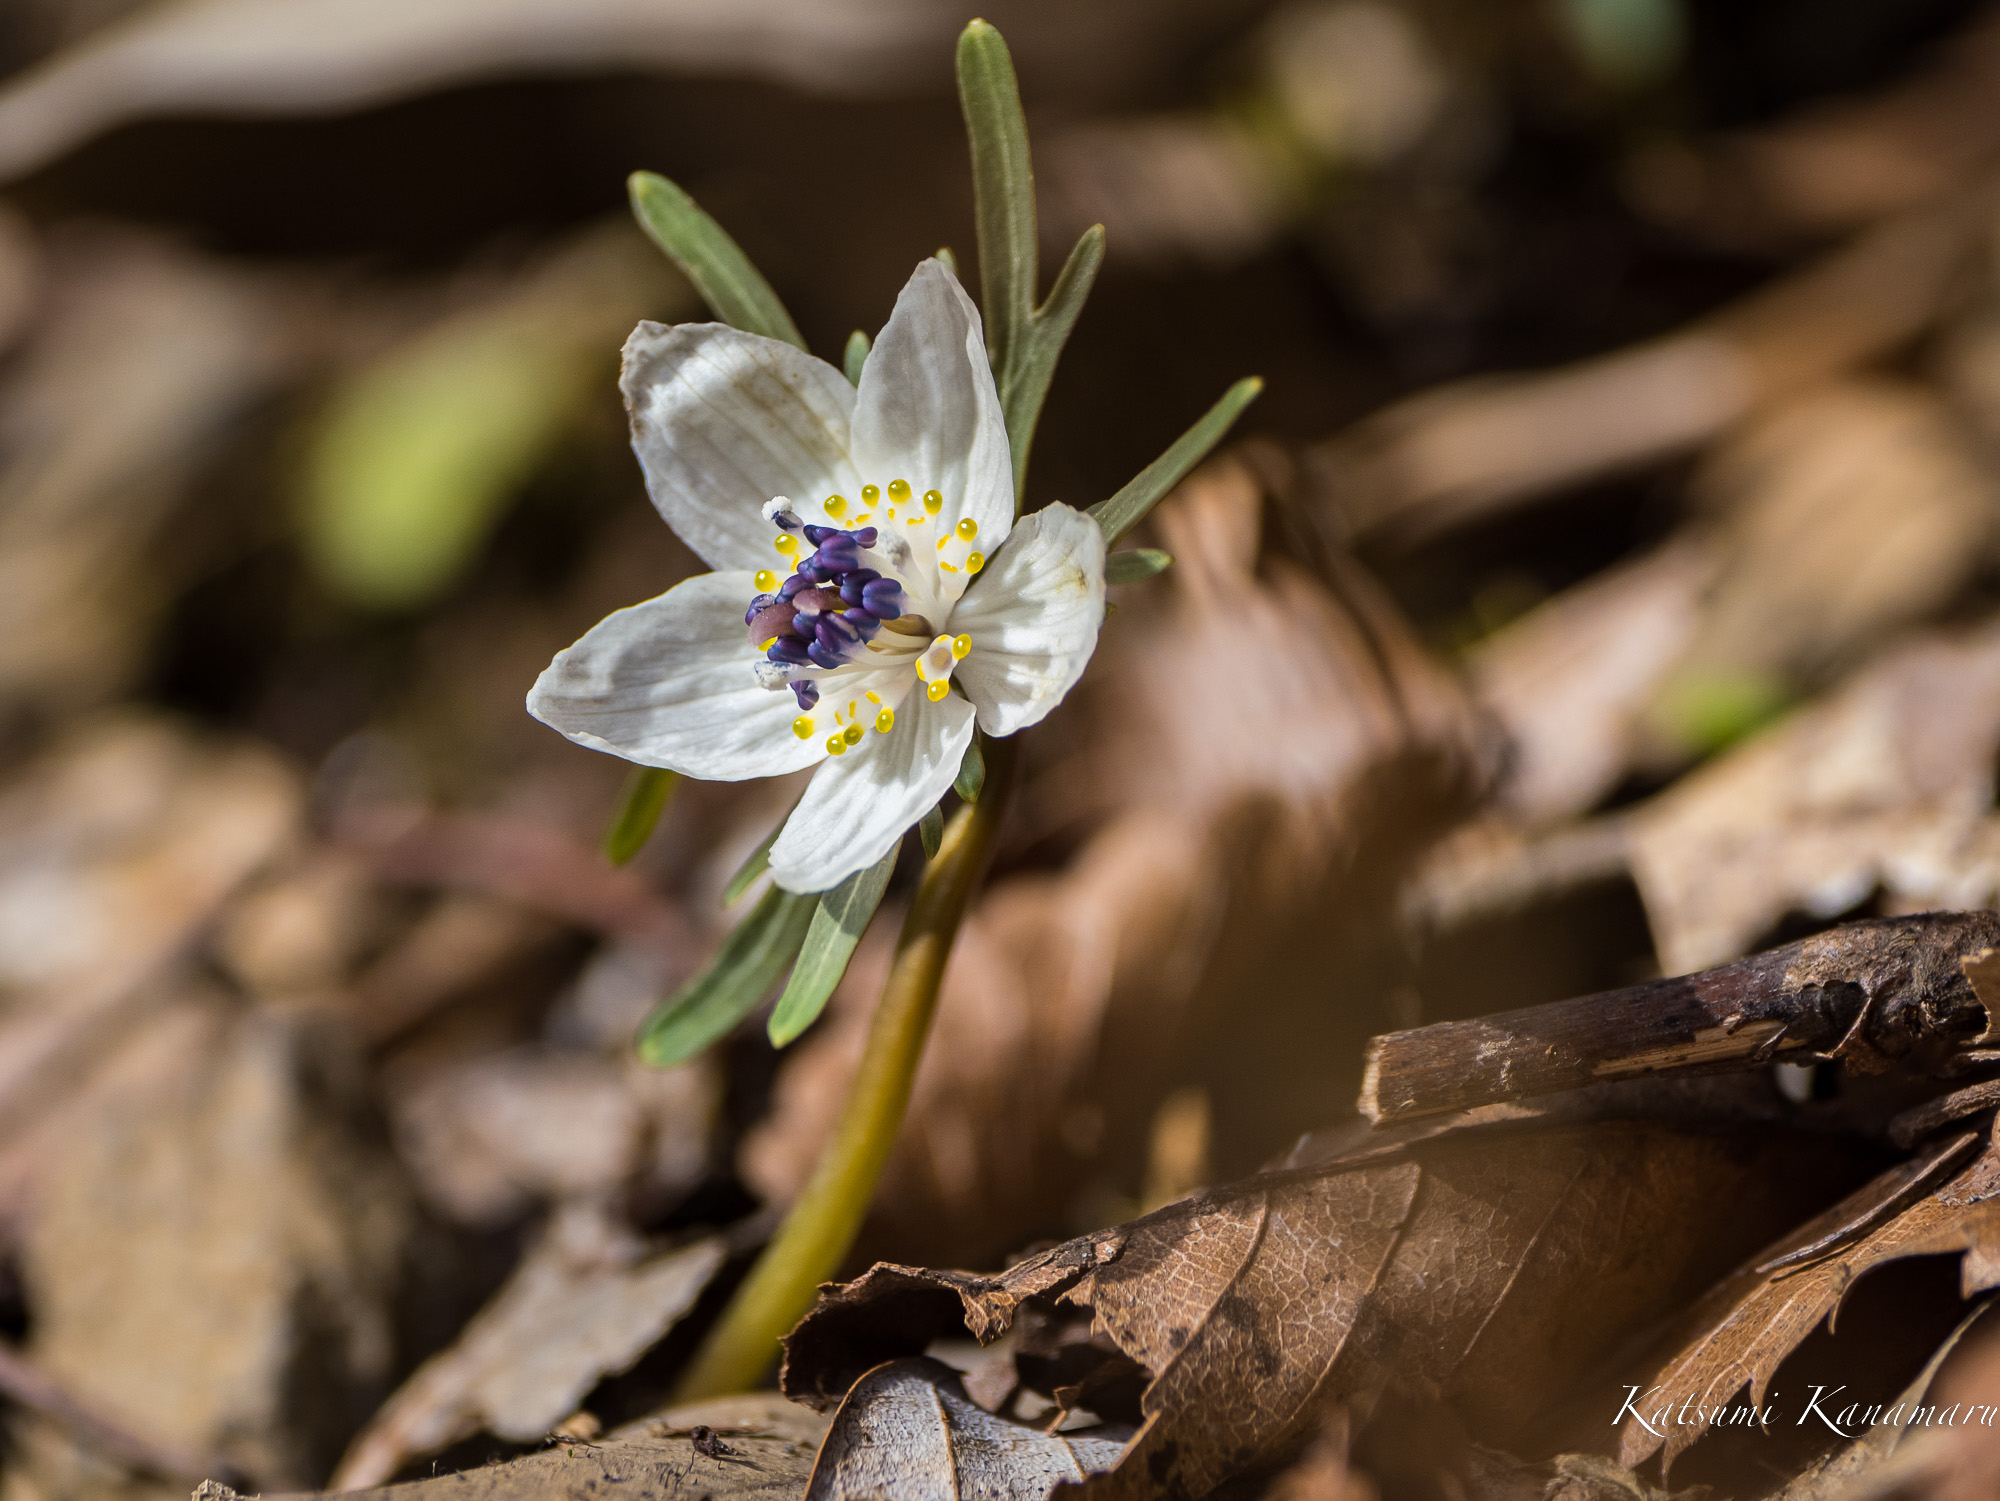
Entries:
{"x":1843,"y":514}
{"x":1886,"y":782}
{"x":586,"y":1302}
{"x":772,"y":1443}
{"x":1482,"y":1269}
{"x":908,"y":1432}
{"x":221,"y":1247}
{"x":1570,"y":681}
{"x":1741,"y":1331}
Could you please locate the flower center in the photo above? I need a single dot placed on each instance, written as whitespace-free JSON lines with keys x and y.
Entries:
{"x":859,"y":601}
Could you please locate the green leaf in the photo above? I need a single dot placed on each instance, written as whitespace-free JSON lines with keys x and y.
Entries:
{"x":837,"y":926}
{"x":647,"y":793}
{"x":750,"y":869}
{"x":742,"y":973}
{"x":734,"y":289}
{"x":1003,"y":191}
{"x":1128,"y":507}
{"x":930,"y":829}
{"x":971,"y":772}
{"x":1027,"y":384}
{"x":855,"y":356}
{"x":1136,"y":565}
{"x":413,"y":458}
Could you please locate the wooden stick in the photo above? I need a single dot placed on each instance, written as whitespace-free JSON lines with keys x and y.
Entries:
{"x":1902,"y":992}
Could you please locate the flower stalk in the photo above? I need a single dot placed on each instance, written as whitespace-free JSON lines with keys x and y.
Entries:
{"x":822,"y":1224}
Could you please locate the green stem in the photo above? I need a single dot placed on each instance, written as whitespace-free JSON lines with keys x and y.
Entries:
{"x":820,"y":1229}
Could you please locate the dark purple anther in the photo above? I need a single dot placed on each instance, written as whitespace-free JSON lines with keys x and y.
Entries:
{"x":773,"y":618}
{"x":824,"y":658}
{"x":792,"y":585}
{"x":787,"y":522}
{"x":882,"y":598}
{"x":852,"y":585}
{"x":807,"y":693}
{"x":818,"y":534}
{"x":863,"y":622}
{"x":837,"y":633}
{"x":865,"y":537}
{"x":839,"y":554}
{"x":790,"y":650}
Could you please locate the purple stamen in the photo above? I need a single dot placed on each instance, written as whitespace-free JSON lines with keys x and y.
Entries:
{"x":821,"y":657}
{"x":758,"y":602}
{"x":839,"y":554}
{"x":837,"y":633}
{"x":789,"y":650}
{"x":865,"y":537}
{"x":863,"y":622}
{"x":792,"y":585}
{"x":851,"y":586}
{"x":818,"y":534}
{"x":807,"y":693}
{"x":882,"y":598}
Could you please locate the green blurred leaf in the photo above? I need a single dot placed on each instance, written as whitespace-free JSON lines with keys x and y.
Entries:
{"x":743,"y":972}
{"x":855,"y":356}
{"x":1128,"y":507}
{"x":837,"y":926}
{"x":415,"y":456}
{"x":733,"y":288}
{"x":930,"y":830}
{"x":747,"y":873}
{"x":1711,"y":711}
{"x":971,"y":772}
{"x":647,"y":793}
{"x":1136,"y":566}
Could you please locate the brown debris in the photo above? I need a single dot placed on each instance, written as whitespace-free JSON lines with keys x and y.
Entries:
{"x":1426,"y":1271}
{"x":1894,"y":992}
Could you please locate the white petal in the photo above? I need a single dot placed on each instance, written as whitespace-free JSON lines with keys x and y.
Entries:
{"x":1033,"y":617}
{"x":859,"y":804}
{"x":927,"y":411}
{"x":672,"y":682}
{"x":722,"y":421}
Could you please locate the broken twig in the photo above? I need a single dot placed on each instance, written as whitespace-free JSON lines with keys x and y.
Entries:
{"x":1899,"y":992}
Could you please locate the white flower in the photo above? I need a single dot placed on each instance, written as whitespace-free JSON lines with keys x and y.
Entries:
{"x":867,"y":562}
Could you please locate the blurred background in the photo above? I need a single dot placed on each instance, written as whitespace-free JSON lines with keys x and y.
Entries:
{"x":1604,"y":586}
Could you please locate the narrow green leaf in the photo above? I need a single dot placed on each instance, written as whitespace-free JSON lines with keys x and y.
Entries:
{"x":930,"y":829}
{"x":743,"y":972}
{"x":647,"y":792}
{"x":1128,"y":507}
{"x":734,"y":290}
{"x":1137,"y":565}
{"x":855,"y":356}
{"x":971,"y":772}
{"x":750,"y":869}
{"x":1003,"y":190}
{"x":1027,"y":384}
{"x":837,"y":926}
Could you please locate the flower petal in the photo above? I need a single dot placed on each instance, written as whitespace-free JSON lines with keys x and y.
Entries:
{"x":724,"y":421}
{"x":861,"y":803}
{"x":670,"y":683}
{"x":927,"y":410}
{"x":1033,"y":617}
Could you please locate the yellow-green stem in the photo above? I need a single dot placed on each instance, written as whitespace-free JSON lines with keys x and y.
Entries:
{"x":820,"y":1229}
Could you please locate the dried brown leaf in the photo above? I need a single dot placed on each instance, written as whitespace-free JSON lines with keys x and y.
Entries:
{"x":1484,"y":1269}
{"x":770,"y":1446}
{"x":907,"y":1431}
{"x":1886,"y":782}
{"x":585,"y":1302}
{"x":1742,"y":1330}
